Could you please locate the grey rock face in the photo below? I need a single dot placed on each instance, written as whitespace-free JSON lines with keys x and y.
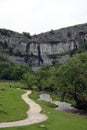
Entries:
{"x":14,"y":40}
{"x":58,"y":41}
{"x":50,"y":43}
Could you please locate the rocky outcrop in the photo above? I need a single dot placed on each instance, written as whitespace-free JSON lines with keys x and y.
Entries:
{"x":57,"y":42}
{"x":13,"y":40}
{"x":45,"y":47}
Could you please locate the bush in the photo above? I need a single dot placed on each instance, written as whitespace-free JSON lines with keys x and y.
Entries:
{"x":27,"y":35}
{"x":52,"y":105}
{"x":10,"y":71}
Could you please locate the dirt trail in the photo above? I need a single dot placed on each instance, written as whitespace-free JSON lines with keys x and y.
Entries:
{"x":33,"y":114}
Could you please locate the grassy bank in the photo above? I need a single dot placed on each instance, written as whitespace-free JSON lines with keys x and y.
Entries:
{"x":7,"y":84}
{"x":12,"y":107}
{"x":57,"y":120}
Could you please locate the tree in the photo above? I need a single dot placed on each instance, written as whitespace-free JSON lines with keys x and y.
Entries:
{"x":29,"y":79}
{"x":42,"y":75}
{"x":78,"y":82}
{"x":38,"y":78}
{"x":69,"y":79}
{"x":19,"y":70}
{"x":5,"y":70}
{"x":72,"y":79}
{"x":27,"y":35}
{"x":10,"y":71}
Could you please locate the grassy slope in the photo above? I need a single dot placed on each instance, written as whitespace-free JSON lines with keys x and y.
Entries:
{"x":12,"y":107}
{"x":12,"y":83}
{"x":57,"y":120}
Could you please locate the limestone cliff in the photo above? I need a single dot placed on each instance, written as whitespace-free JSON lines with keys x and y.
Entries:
{"x":12,"y":45}
{"x":44,"y":47}
{"x":57,"y":42}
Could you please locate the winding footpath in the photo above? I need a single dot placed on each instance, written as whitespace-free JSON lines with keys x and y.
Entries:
{"x":33,"y":114}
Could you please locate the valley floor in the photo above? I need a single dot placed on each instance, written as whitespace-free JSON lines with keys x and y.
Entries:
{"x":33,"y":114}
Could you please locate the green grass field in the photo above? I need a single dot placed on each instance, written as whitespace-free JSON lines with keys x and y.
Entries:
{"x":57,"y":120}
{"x":12,"y":107}
{"x":12,"y":83}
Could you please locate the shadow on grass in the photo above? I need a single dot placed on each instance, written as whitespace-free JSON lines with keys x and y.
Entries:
{"x":2,"y":111}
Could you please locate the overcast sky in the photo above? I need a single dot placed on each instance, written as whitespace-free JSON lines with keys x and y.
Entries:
{"x":36,"y":16}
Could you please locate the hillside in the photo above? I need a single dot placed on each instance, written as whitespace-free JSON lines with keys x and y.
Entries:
{"x":12,"y":45}
{"x":63,"y":34}
{"x":52,"y":46}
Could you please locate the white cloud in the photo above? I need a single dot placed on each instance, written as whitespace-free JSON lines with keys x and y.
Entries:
{"x":37,"y":16}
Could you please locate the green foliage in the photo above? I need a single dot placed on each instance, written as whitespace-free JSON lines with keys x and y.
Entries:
{"x":69,"y":79}
{"x":83,"y":58}
{"x":6,"y":84}
{"x":71,"y":52}
{"x":52,"y":105}
{"x":19,"y":70}
{"x":41,"y":76}
{"x":36,"y":78}
{"x":10,"y":71}
{"x":5,"y":70}
{"x":2,"y":59}
{"x":27,"y":35}
{"x":29,"y":79}
{"x":52,"y":31}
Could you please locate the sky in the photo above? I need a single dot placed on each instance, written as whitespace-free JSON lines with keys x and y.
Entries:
{"x":37,"y":16}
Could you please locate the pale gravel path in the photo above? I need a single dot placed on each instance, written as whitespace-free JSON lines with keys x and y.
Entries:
{"x":33,"y":114}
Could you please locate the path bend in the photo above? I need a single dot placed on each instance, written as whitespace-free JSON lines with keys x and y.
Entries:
{"x":33,"y":114}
